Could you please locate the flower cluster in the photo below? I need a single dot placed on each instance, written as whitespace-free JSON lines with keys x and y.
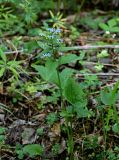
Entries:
{"x":50,"y":42}
{"x":53,"y":30}
{"x":46,"y":55}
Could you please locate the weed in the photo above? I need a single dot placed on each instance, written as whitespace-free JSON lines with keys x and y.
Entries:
{"x":6,"y":65}
{"x":70,"y":90}
{"x":32,"y":150}
{"x":51,"y":118}
{"x":46,"y":81}
{"x":111,"y":26}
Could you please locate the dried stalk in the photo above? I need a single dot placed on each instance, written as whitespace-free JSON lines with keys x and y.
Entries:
{"x":88,"y":47}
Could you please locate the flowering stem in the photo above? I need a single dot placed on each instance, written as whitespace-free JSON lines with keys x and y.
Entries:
{"x":60,"y":85}
{"x":68,"y":123}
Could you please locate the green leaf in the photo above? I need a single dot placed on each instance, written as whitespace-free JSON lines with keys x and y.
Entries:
{"x":65,"y":75}
{"x":68,"y":113}
{"x":73,"y":92}
{"x":14,"y":71}
{"x":2,"y":63}
{"x":33,"y":150}
{"x":49,"y":72}
{"x":104,"y":26}
{"x":2,"y":70}
{"x":2,"y":130}
{"x":106,"y":97}
{"x":81,"y":110}
{"x":104,"y":53}
{"x":112,"y":23}
{"x":14,"y":64}
{"x":51,"y":64}
{"x":2,"y":55}
{"x":42,"y":71}
{"x":114,"y":29}
{"x":68,"y":58}
{"x":30,"y":46}
{"x":115,"y":128}
{"x":41,"y":45}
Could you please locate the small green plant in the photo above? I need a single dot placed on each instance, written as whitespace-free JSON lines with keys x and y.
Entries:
{"x":13,"y":66}
{"x":70,"y":90}
{"x":112,"y":26}
{"x":32,"y":150}
{"x":56,"y":148}
{"x":109,"y":97}
{"x":40,"y":131}
{"x":30,"y":15}
{"x":87,"y":20}
{"x":101,"y":55}
{"x":7,"y":18}
{"x":113,"y":154}
{"x":74,"y":33}
{"x":104,"y":53}
{"x":51,"y":118}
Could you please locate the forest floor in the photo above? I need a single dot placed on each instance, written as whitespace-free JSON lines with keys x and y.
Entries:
{"x":30,"y":108}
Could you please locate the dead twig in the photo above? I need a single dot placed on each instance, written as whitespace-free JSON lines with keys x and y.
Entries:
{"x":14,"y":52}
{"x":88,"y":47}
{"x":97,"y":74}
{"x":94,"y":63}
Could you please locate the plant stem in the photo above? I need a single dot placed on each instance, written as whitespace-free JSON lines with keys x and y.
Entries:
{"x":70,"y":138}
{"x":60,"y":87}
{"x":68,"y":123}
{"x":58,"y":74}
{"x":89,"y":47}
{"x":114,"y":107}
{"x":104,"y":131}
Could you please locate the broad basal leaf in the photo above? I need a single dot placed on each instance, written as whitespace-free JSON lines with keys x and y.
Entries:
{"x":65,"y":75}
{"x":106,"y":97}
{"x":76,"y":96}
{"x":48,"y":72}
{"x":73,"y":92}
{"x":109,"y":96}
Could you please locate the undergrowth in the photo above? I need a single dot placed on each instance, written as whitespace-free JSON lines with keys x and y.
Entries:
{"x":51,"y":105}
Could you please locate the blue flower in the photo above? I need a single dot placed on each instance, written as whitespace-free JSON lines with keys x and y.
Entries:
{"x":57,"y":31}
{"x":46,"y":55}
{"x":51,"y":30}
